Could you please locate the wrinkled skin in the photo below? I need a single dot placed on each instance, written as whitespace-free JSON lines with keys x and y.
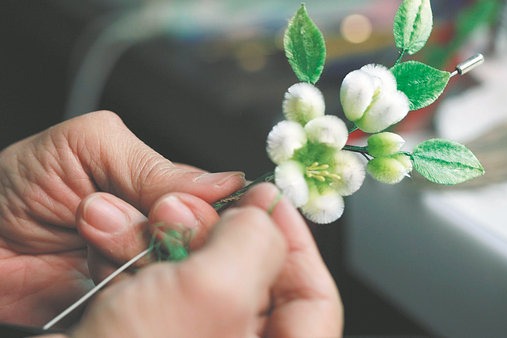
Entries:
{"x":257,"y":274}
{"x":43,"y":179}
{"x":79,"y":199}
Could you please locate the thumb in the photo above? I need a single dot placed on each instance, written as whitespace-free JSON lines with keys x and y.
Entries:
{"x":115,"y":231}
{"x":121,"y":164}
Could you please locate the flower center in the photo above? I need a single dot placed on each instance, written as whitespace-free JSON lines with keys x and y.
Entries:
{"x":320,"y":172}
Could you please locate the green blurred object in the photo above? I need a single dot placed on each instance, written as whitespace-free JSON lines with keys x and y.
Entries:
{"x":481,"y":13}
{"x":173,"y":246}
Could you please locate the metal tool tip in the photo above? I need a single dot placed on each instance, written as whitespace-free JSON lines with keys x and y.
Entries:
{"x":469,"y":64}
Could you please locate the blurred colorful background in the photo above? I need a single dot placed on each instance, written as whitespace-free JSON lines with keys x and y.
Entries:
{"x":202,"y":82}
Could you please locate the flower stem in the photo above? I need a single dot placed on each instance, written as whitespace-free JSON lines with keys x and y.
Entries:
{"x":227,"y":201}
{"x":353,"y":129}
{"x":400,"y":56}
{"x":356,"y":149}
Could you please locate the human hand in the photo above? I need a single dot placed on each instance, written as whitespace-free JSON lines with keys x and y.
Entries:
{"x":256,"y":275}
{"x":43,"y":179}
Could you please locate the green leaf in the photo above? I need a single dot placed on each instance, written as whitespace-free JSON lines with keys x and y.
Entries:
{"x":421,"y":83}
{"x":445,"y":162}
{"x":304,"y":47}
{"x":412,"y":27}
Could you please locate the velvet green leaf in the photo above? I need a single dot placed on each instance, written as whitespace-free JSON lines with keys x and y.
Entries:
{"x":421,"y":83}
{"x":304,"y":47}
{"x":412,"y":27}
{"x":445,"y":162}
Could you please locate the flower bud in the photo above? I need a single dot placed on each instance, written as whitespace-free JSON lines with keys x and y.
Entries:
{"x":303,"y":102}
{"x":284,"y":139}
{"x":356,"y":94}
{"x":383,"y":144}
{"x":388,"y":108}
{"x":327,"y":129}
{"x":387,"y":170}
{"x":323,"y":208}
{"x":382,"y":76}
{"x":405,"y":161}
{"x":289,"y":177}
{"x":370,"y":98}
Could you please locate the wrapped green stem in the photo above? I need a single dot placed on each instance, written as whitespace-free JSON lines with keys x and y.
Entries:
{"x":227,"y":201}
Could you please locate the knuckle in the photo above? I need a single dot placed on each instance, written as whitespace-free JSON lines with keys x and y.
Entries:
{"x":105,"y":115}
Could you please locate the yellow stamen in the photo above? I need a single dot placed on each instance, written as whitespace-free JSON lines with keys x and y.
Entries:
{"x":320,"y":173}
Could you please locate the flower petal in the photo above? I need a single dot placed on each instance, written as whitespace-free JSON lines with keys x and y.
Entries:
{"x":303,"y":102}
{"x":290,"y":179}
{"x":384,"y":76}
{"x":351,"y":170}
{"x":385,"y":143}
{"x":356,"y":94}
{"x":388,"y":109}
{"x":327,"y":129}
{"x":284,"y":139}
{"x":388,"y":170}
{"x":324,"y":208}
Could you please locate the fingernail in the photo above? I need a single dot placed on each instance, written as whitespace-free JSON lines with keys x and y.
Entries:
{"x":103,"y":215}
{"x":173,"y":209}
{"x":219,"y":179}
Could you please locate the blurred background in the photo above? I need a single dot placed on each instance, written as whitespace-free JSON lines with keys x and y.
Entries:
{"x":202,"y":82}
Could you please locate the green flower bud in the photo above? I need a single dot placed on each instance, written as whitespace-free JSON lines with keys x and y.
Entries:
{"x":404,"y":160}
{"x":383,"y":144}
{"x":389,"y":169}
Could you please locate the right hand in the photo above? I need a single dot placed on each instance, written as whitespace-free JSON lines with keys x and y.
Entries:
{"x":256,"y":275}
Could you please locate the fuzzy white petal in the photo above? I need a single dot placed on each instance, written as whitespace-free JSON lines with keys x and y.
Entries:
{"x":384,"y":76}
{"x":323,"y":208}
{"x":290,"y":179}
{"x":356,"y":94}
{"x":388,"y":109}
{"x":284,"y":139}
{"x":303,"y":102}
{"x":351,"y":170}
{"x":327,"y":129}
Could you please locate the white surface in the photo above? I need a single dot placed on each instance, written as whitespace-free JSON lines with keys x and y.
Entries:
{"x":472,"y":113}
{"x":483,"y":211}
{"x":433,"y":255}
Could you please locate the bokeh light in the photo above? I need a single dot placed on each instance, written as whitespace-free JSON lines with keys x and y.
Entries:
{"x":356,"y":28}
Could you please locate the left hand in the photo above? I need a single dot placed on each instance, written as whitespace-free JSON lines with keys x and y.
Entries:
{"x":43,"y":179}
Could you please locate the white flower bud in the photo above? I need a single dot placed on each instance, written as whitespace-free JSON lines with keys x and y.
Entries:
{"x":284,"y":139}
{"x":323,"y":208}
{"x":389,"y":108}
{"x":289,"y":177}
{"x":351,"y":170}
{"x":356,"y":94}
{"x":327,"y":129}
{"x":387,"y":170}
{"x":385,"y":143}
{"x":370,"y":98}
{"x":303,"y":102}
{"x":382,"y":76}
